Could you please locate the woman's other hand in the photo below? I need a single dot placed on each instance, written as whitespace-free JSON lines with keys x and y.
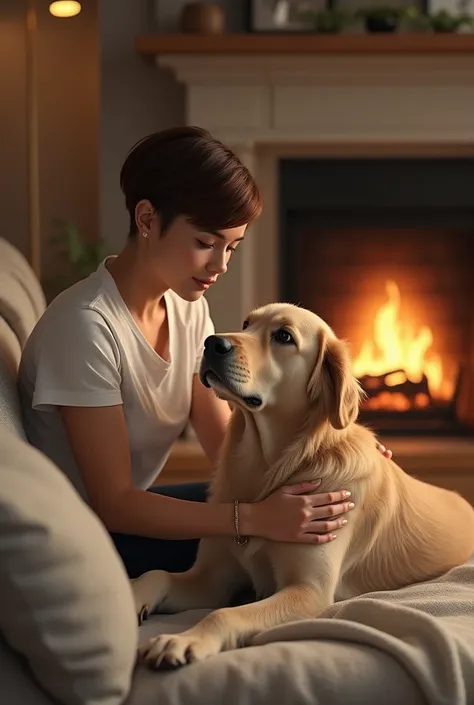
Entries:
{"x":385,"y":452}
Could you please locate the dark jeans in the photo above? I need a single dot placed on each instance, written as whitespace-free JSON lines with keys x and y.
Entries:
{"x":141,"y":554}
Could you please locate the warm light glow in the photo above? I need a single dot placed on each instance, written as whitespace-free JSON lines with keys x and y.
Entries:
{"x":396,"y":355}
{"x":65,"y":8}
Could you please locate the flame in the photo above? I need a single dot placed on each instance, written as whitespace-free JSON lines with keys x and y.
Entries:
{"x":397,"y":354}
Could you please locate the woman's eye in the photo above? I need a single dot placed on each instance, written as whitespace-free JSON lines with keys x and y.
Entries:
{"x":283,"y":337}
{"x":207,"y":246}
{"x":245,"y":325}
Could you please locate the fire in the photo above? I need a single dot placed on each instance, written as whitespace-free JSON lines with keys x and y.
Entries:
{"x":400,"y":370}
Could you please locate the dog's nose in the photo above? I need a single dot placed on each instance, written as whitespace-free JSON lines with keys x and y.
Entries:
{"x":218,"y":344}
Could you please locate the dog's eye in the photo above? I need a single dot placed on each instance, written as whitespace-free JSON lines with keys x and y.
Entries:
{"x":283,"y":337}
{"x":245,"y":325}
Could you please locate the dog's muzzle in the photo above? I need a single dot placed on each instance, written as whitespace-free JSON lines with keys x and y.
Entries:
{"x":220,"y":363}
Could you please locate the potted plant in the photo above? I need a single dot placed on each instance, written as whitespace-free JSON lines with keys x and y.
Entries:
{"x":381,"y":18}
{"x":325,"y":21}
{"x":442,"y":21}
{"x":79,"y":257}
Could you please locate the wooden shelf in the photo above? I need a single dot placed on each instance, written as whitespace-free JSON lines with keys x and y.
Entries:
{"x":421,"y":455}
{"x":186,"y":463}
{"x":304,"y":43}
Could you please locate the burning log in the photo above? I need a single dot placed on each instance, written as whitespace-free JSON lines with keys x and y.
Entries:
{"x":374,"y":385}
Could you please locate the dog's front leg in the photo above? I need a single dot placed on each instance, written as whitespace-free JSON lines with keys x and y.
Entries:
{"x":307,"y":578}
{"x":230,"y":627}
{"x":211,"y":582}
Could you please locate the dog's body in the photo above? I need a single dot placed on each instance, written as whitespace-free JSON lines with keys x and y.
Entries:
{"x":401,"y":530}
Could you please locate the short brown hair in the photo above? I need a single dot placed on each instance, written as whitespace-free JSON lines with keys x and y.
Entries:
{"x":185,"y":171}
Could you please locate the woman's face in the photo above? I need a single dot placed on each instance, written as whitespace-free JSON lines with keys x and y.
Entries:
{"x":186,"y":259}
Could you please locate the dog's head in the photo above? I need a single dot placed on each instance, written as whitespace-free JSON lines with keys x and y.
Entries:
{"x":286,"y":358}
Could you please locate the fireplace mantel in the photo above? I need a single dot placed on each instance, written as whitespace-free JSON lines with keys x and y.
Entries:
{"x":304,"y":43}
{"x":290,"y":97}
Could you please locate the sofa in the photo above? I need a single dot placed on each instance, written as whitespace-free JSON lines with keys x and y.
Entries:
{"x":68,"y":628}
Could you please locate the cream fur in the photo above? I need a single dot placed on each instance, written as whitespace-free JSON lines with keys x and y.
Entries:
{"x":402,"y":530}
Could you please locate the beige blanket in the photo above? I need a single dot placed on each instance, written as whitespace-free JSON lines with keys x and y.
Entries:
{"x":406,"y":647}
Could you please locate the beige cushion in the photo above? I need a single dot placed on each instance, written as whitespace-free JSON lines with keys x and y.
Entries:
{"x":16,"y":306}
{"x":17,"y":687}
{"x":10,"y":348}
{"x":66,"y":605}
{"x":14,"y":262}
{"x":10,"y":410}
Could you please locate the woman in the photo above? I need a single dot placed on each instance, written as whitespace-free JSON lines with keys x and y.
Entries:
{"x":109,"y":376}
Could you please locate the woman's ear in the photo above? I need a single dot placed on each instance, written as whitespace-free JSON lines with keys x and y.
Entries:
{"x":144,"y":213}
{"x":333,"y":389}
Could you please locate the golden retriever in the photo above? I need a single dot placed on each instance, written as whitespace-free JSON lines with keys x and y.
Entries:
{"x":295,"y":405}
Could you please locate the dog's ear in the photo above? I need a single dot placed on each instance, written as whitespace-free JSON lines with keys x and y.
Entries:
{"x":332,"y":388}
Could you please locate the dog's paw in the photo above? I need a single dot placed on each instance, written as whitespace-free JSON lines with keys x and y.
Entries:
{"x":148,"y":591}
{"x":174,"y":650}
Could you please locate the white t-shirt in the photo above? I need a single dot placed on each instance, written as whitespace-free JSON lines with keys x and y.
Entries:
{"x":87,"y":350}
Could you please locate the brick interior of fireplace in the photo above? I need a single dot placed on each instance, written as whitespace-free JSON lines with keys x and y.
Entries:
{"x":382,"y":250}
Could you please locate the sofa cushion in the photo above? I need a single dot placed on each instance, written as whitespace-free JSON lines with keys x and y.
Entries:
{"x":10,"y":347}
{"x":17,"y":687}
{"x":10,"y":410}
{"x":16,"y":306}
{"x":14,"y":262}
{"x":66,"y":603}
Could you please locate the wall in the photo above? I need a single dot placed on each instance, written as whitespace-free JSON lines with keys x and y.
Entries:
{"x":68,"y":109}
{"x":13,"y":164}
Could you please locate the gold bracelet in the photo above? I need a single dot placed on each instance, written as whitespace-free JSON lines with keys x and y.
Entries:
{"x":238,"y":539}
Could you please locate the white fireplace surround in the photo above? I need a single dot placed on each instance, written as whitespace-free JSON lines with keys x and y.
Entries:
{"x":266,"y":107}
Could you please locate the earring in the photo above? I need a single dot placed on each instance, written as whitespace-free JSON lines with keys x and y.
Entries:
{"x":144,"y":234}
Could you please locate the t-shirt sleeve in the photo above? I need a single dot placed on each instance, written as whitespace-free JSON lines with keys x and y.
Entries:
{"x":204,"y":329}
{"x":77,"y":363}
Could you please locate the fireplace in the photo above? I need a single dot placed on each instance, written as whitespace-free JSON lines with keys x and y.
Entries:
{"x":381,"y":249}
{"x":294,"y":114}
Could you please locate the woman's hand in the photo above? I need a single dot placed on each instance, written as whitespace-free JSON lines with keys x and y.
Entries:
{"x":290,"y":514}
{"x":385,"y":452}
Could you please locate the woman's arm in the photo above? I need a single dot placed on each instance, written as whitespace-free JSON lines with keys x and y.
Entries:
{"x":99,"y":440}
